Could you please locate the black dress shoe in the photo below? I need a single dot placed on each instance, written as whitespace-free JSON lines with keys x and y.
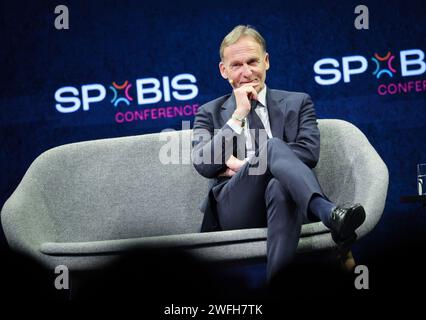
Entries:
{"x":344,"y":222}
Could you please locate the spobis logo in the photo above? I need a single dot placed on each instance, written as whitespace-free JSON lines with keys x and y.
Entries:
{"x":181,"y":87}
{"x":329,"y":71}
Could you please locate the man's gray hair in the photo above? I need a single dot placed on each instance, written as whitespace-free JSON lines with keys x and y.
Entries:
{"x":238,"y":32}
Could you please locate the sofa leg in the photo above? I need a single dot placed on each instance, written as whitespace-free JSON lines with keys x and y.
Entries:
{"x":347,"y":261}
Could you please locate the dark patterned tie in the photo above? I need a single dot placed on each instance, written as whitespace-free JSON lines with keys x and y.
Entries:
{"x":255,"y":124}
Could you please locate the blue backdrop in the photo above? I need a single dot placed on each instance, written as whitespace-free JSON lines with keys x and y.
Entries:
{"x":174,"y":46}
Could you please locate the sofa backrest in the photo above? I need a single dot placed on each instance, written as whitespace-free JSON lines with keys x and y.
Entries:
{"x":133,"y":186}
{"x":347,"y":161}
{"x":118,"y":188}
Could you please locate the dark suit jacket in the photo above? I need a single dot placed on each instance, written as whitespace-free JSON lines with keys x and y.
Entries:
{"x":292,"y":119}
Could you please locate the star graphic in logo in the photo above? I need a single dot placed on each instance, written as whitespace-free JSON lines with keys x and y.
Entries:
{"x":389,"y":70}
{"x":124,"y":87}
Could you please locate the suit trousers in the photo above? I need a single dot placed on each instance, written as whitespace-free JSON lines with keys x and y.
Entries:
{"x":277,"y":199}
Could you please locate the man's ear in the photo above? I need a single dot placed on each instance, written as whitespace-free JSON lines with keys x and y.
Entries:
{"x":222,"y":70}
{"x":266,"y":61}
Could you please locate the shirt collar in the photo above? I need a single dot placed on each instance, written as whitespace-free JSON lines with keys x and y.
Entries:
{"x":261,"y":96}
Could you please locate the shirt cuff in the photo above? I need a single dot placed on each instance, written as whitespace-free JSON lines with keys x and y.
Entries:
{"x":238,"y":129}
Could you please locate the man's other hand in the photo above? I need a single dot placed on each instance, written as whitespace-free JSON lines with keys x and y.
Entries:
{"x":234,"y":165}
{"x":227,"y":173}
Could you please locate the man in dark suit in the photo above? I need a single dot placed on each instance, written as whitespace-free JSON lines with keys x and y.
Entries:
{"x":258,"y":146}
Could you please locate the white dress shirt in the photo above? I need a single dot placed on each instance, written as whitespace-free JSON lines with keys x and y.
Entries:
{"x":262,"y":112}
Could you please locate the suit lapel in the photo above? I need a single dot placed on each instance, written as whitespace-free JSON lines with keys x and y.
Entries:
{"x":227,"y":109}
{"x":276,"y":111}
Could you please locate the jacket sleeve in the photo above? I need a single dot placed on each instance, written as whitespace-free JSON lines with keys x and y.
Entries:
{"x":307,"y":143}
{"x":211,"y":147}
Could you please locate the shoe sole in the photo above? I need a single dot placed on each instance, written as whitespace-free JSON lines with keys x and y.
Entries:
{"x":353,"y":220}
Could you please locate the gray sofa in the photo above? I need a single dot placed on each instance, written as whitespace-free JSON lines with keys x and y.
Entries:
{"x":85,"y":204}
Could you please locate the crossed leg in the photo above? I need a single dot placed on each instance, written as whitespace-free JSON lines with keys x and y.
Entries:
{"x":277,"y":199}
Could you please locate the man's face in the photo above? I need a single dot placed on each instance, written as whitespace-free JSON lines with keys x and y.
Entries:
{"x":244,"y":62}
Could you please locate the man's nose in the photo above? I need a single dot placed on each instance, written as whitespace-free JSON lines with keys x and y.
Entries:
{"x":246,"y":70}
